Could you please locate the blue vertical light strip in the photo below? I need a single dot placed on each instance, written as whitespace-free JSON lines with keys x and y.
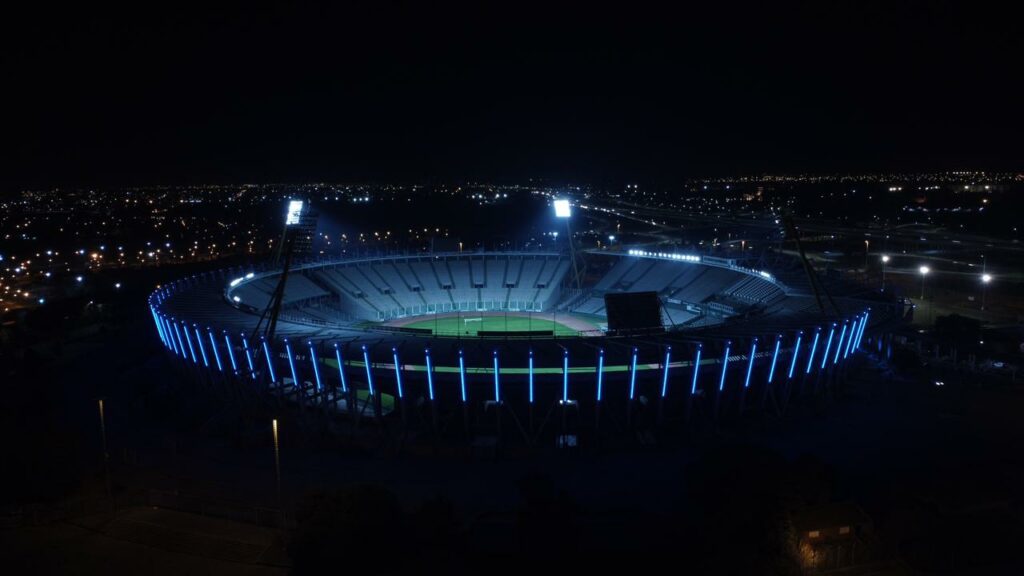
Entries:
{"x":159,"y":329}
{"x":170,"y":336}
{"x":231,"y":352}
{"x":867,"y":314}
{"x":316,"y":369}
{"x":796,"y":354}
{"x":497,"y":382}
{"x":369,"y":373}
{"x":270,"y":360}
{"x":775,"y":356}
{"x":291,"y":363}
{"x":188,"y":340}
{"x":725,"y":365}
{"x":181,"y":341}
{"x":202,"y":349}
{"x":814,"y":348}
{"x":341,"y":368}
{"x":462,"y":376}
{"x":600,"y":373}
{"x":248,"y":357}
{"x":632,"y":376}
{"x":828,"y":345}
{"x":750,"y":363}
{"x":565,"y":376}
{"x":696,"y":370}
{"x":531,"y":375}
{"x":430,"y":374}
{"x":854,"y":330}
{"x":398,"y":372}
{"x":839,"y":345}
{"x":664,"y":372}
{"x":213,"y":345}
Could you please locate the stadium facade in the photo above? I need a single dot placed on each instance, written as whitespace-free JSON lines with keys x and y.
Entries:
{"x":734,"y":337}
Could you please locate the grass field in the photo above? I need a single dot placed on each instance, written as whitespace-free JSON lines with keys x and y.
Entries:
{"x":469,"y":325}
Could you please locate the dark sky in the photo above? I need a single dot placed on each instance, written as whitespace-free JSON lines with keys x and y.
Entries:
{"x":404,"y":93}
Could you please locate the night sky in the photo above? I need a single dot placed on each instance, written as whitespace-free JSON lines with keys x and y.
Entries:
{"x":401,"y":93}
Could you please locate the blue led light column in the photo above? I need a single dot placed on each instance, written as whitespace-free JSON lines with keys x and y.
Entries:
{"x":854,"y":330}
{"x":750,"y":362}
{"x":828,"y":345}
{"x":248,"y":357}
{"x":369,"y":371}
{"x":664,"y":372}
{"x":721,"y":378}
{"x":188,"y":340}
{"x":231,"y":353}
{"x":530,"y":375}
{"x":796,"y":354}
{"x":213,"y":345}
{"x":462,"y":377}
{"x":202,"y":349}
{"x":565,"y":376}
{"x":725,"y":365}
{"x":693,"y":384}
{"x":839,"y":345}
{"x":316,"y":369}
{"x":497,"y":381}
{"x":341,"y":368}
{"x":814,"y":347}
{"x":775,"y":357}
{"x":430,"y":375}
{"x":270,"y":361}
{"x":398,"y":373}
{"x":632,"y":376}
{"x":291,"y":366}
{"x":170,"y":335}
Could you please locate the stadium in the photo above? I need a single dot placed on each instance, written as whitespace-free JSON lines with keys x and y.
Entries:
{"x":526,"y":343}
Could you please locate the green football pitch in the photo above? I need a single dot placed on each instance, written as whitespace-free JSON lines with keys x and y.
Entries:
{"x":469,"y":325}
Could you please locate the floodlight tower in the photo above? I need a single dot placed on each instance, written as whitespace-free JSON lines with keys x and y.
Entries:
{"x":563,"y":210}
{"x":296,"y":209}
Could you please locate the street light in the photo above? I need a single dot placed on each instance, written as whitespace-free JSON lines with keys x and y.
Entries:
{"x":924,"y":270}
{"x":985,"y":279}
{"x":885,"y":260}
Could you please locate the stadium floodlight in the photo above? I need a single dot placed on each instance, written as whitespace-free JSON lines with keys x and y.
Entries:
{"x":562,"y":208}
{"x":294,"y":212}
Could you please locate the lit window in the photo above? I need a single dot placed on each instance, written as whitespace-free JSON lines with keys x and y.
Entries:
{"x":813,"y":534}
{"x":844,"y":529}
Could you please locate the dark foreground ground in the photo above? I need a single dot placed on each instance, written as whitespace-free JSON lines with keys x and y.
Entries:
{"x":938,"y":470}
